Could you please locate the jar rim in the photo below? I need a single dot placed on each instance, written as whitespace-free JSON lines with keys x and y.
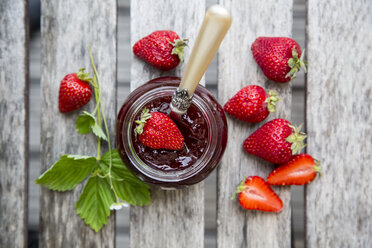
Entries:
{"x":156,"y":174}
{"x":215,"y":117}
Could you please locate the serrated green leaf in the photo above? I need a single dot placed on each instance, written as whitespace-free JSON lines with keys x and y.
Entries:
{"x":84,"y":122}
{"x":128,"y":187}
{"x":95,"y":201}
{"x":97,"y":130}
{"x":67,"y":172}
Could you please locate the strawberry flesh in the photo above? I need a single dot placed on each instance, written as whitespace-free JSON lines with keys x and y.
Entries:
{"x":256,"y":194}
{"x":300,"y":170}
{"x":73,"y":93}
{"x":272,"y":55}
{"x":269,"y":142}
{"x":160,"y":132}
{"x":156,"y":49}
{"x":250,"y":104}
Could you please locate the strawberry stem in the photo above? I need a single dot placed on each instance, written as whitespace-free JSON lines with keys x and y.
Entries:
{"x":83,"y":76}
{"x":178,"y":47}
{"x":296,"y":139}
{"x":145,"y":115}
{"x":296,"y":63}
{"x":241,"y":187}
{"x":271,"y":101}
{"x":317,"y":167}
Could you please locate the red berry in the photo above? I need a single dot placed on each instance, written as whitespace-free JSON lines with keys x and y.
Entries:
{"x":256,"y":194}
{"x":276,"y":141}
{"x":161,"y":49}
{"x":280,"y":58}
{"x":252,"y":104}
{"x":300,"y":170}
{"x":157,"y":131}
{"x":74,"y":91}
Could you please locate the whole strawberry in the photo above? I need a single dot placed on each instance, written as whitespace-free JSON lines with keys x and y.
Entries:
{"x":157,"y":131}
{"x":162,"y":49}
{"x":74,"y":91}
{"x":255,"y":194}
{"x":252,"y":104}
{"x":280,"y":58}
{"x":300,"y":170}
{"x":276,"y":141}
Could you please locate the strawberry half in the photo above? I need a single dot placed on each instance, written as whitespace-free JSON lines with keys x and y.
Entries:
{"x":252,"y":104}
{"x":300,"y":170}
{"x":74,"y":91}
{"x":256,"y":194}
{"x":276,"y":141}
{"x":280,"y":58}
{"x":162,"y":49}
{"x":157,"y":131}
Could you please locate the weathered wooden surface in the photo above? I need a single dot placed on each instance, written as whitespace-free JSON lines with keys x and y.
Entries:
{"x":174,"y":218}
{"x":68,"y":28}
{"x":13,"y":123}
{"x":237,"y":227}
{"x":339,"y":123}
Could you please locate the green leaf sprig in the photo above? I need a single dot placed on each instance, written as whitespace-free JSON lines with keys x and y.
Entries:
{"x":111,"y":185}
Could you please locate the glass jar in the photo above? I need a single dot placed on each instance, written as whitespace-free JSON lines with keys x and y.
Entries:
{"x":216,"y":128}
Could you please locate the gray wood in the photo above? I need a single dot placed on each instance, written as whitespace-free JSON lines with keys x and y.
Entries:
{"x":13,"y":123}
{"x":174,"y":218}
{"x":68,"y":28}
{"x":339,"y":123}
{"x":237,"y":227}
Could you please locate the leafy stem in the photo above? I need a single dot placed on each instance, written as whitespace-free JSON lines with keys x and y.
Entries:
{"x":111,"y":185}
{"x":99,"y":109}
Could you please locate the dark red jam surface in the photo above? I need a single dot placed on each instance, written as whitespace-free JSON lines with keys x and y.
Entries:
{"x":193,"y":127}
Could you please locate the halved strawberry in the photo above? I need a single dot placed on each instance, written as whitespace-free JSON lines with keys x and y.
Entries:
{"x":302,"y":169}
{"x":157,"y":131}
{"x":256,"y":194}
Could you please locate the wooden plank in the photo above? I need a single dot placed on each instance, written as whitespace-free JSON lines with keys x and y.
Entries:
{"x":339,"y":123}
{"x":13,"y":123}
{"x":237,"y":227}
{"x":68,"y":28}
{"x":171,"y":214}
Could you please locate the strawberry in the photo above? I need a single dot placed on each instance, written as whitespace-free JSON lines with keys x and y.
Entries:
{"x":256,"y":194}
{"x":280,"y":58}
{"x":276,"y":141}
{"x":300,"y":170}
{"x":157,"y":131}
{"x":161,"y":49}
{"x":252,"y":104}
{"x":74,"y":91}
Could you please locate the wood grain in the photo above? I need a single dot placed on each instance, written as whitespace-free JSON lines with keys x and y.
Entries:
{"x":68,"y":28}
{"x":237,"y":227}
{"x":339,"y":123}
{"x":174,"y":218}
{"x":13,"y":123}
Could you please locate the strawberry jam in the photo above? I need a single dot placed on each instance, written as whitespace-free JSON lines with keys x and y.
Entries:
{"x":203,"y":127}
{"x":193,"y":127}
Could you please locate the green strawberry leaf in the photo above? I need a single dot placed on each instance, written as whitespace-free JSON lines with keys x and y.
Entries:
{"x":86,"y":122}
{"x":128,"y":187}
{"x":97,"y":130}
{"x":95,"y":201}
{"x":67,"y":172}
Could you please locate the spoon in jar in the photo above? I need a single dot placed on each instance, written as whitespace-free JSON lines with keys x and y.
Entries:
{"x":216,"y":23}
